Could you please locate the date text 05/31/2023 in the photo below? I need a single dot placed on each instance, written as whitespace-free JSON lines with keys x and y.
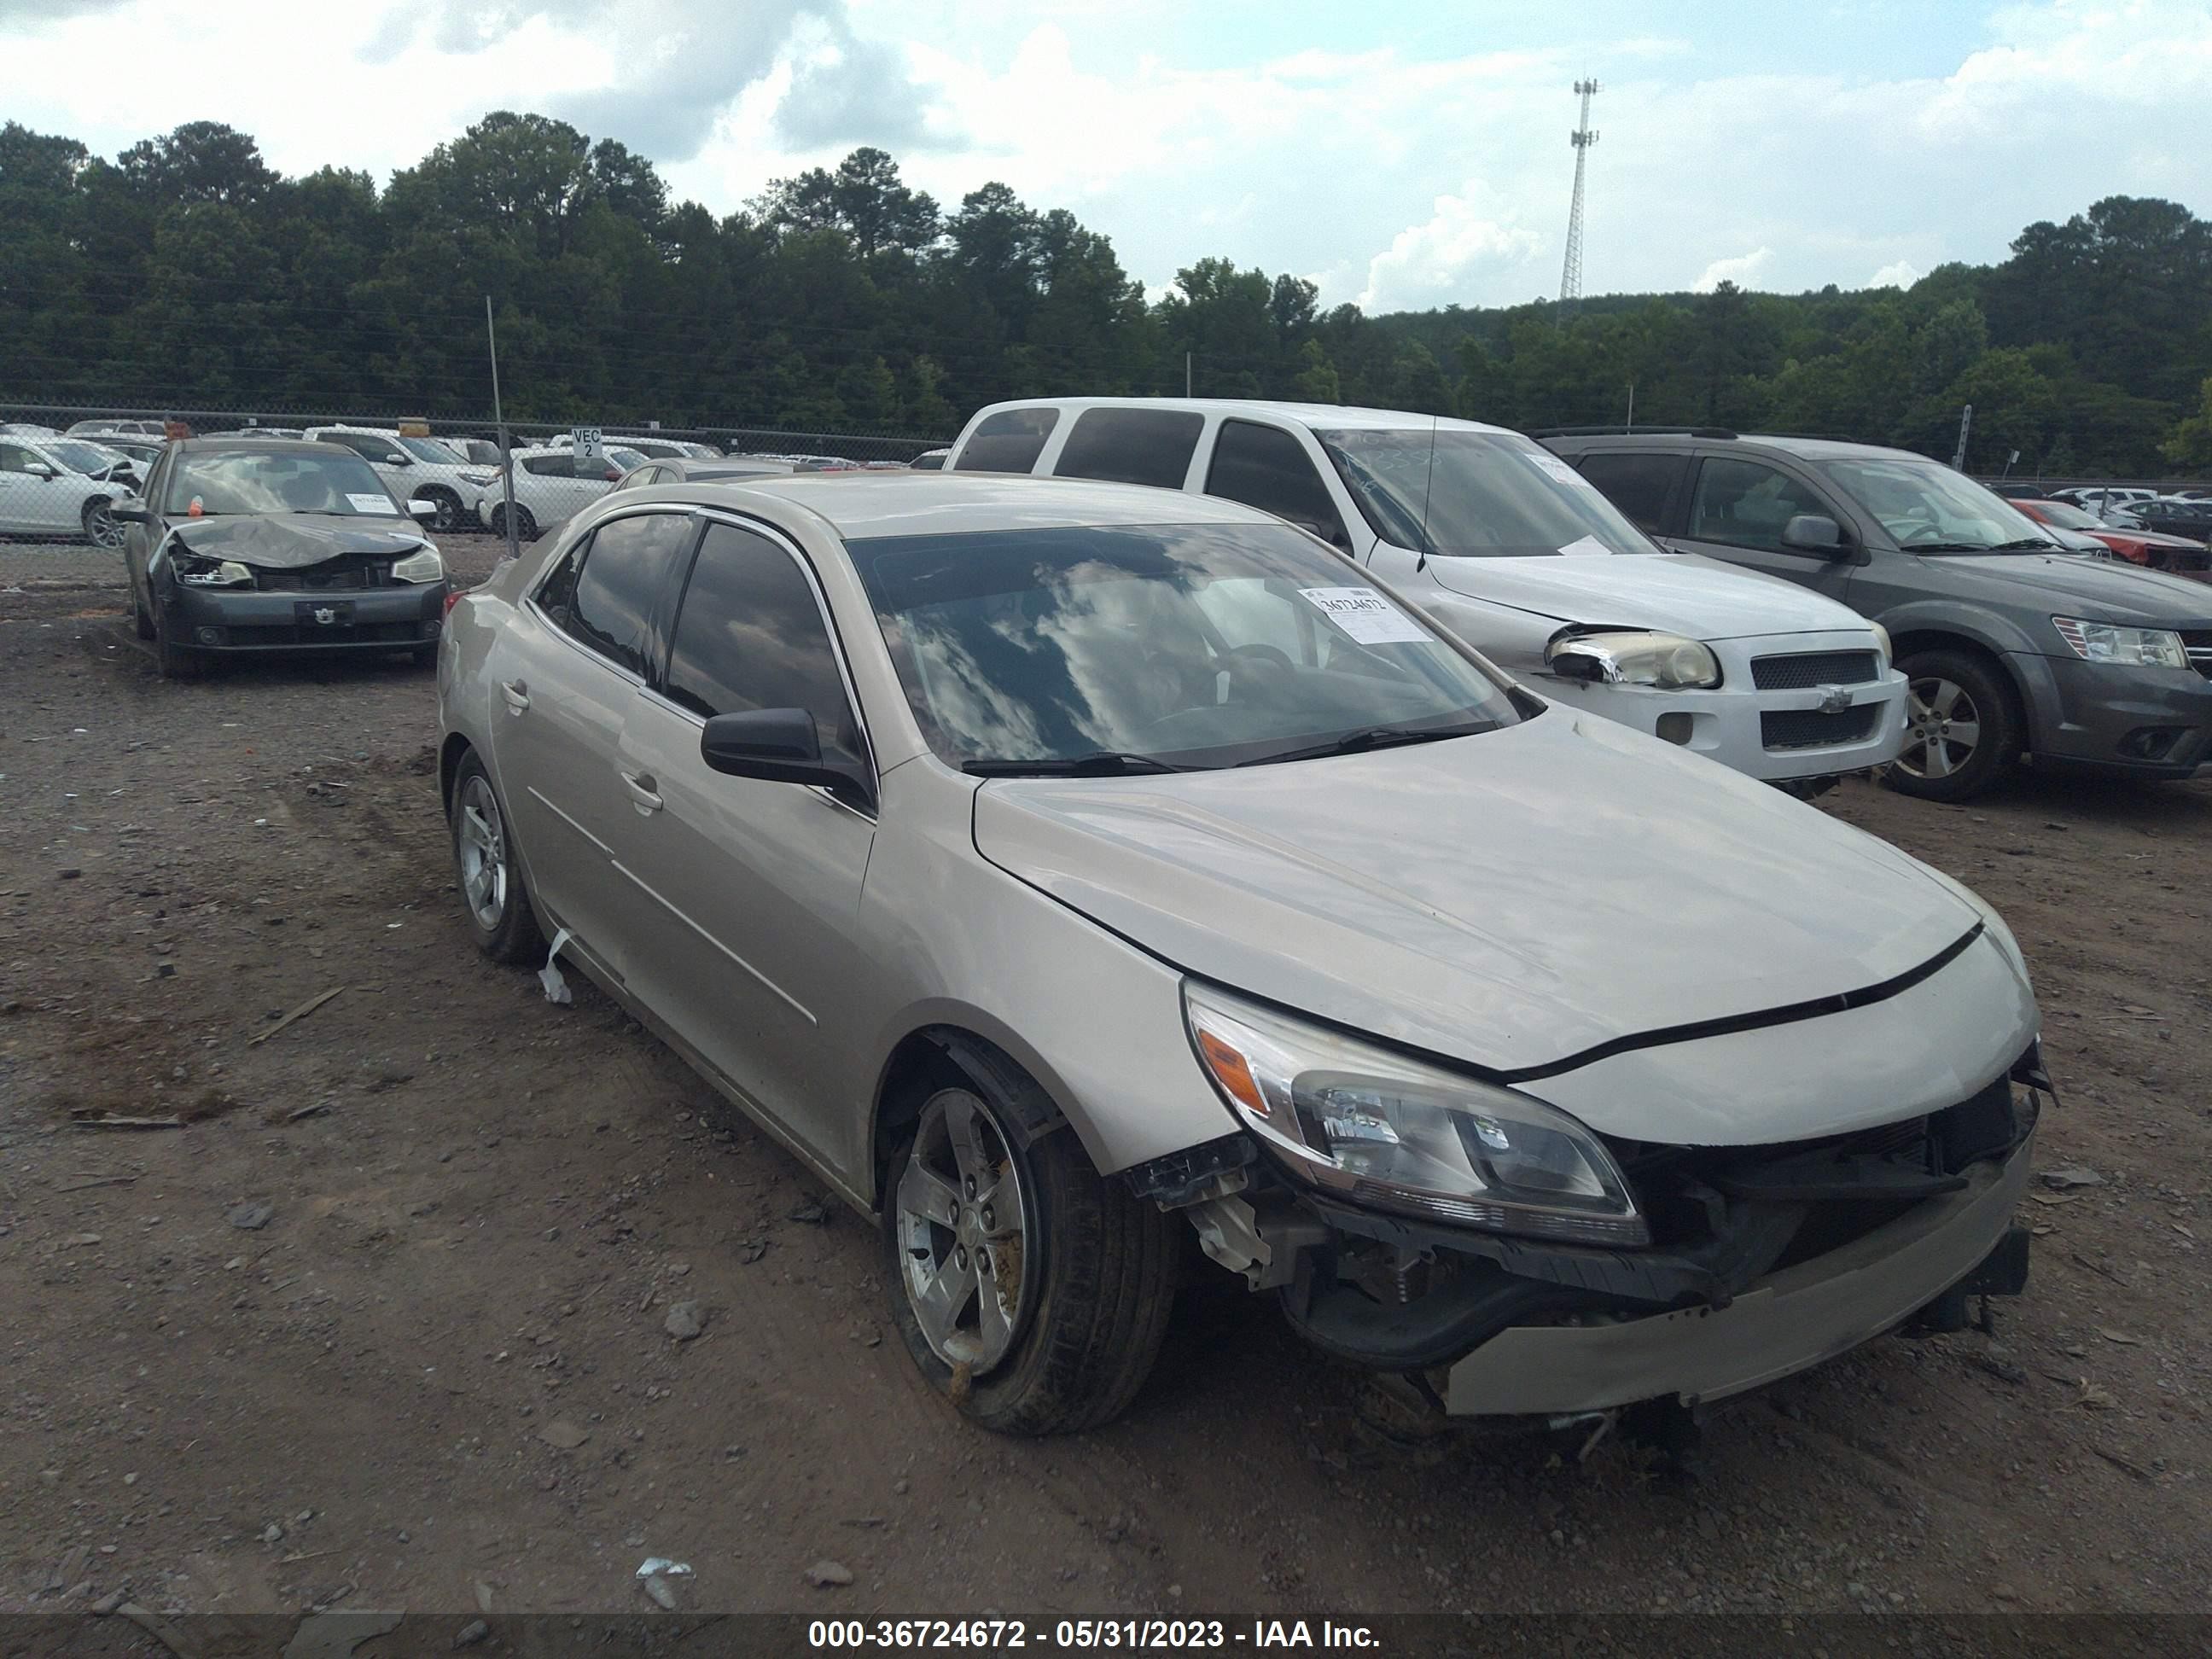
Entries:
{"x":1282,"y":1634}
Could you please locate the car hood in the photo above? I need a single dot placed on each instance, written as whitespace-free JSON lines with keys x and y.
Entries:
{"x":286,"y":541}
{"x":1510,"y":900}
{"x":1682,"y":592}
{"x":2098,"y":590}
{"x":2151,"y":539}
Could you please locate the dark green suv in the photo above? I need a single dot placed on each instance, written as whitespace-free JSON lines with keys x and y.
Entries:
{"x":2013,"y":646}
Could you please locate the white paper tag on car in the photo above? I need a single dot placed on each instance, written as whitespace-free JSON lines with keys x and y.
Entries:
{"x":370,"y":504}
{"x":1586,"y":547}
{"x":1364,"y":614}
{"x":1559,"y":469}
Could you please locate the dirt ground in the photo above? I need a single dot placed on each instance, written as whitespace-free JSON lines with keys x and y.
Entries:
{"x":437,"y":1377}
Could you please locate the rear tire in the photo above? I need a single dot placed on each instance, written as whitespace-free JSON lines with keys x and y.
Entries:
{"x":102,"y":528}
{"x":1094,"y":1284}
{"x":1964,"y":729}
{"x":140,"y":619}
{"x":526,"y":527}
{"x":488,"y":871}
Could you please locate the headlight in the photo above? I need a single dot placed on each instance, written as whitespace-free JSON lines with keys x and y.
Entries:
{"x":209,"y":573}
{"x":1666,"y":661}
{"x":2130,"y":647}
{"x":1378,"y":1128}
{"x":421,"y":566}
{"x":1882,"y":641}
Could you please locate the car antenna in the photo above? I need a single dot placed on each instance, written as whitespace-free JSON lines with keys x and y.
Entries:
{"x":1421,"y":562}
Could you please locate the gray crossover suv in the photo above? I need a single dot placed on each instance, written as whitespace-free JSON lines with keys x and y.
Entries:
{"x":2013,"y":646}
{"x":1069,"y":872}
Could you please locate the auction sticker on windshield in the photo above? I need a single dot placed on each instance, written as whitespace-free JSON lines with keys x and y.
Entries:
{"x":1364,"y":614}
{"x":1559,"y":469}
{"x":368,"y":503}
{"x":1586,"y":547}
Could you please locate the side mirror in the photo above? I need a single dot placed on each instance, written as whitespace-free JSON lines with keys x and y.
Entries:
{"x":778,"y":745}
{"x":1814,"y":532}
{"x":132,"y":512}
{"x":41,"y":470}
{"x":396,"y":460}
{"x":421,"y":508}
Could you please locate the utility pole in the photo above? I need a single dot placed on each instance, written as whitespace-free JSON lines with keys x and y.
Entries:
{"x":1966,"y":422}
{"x":1571,"y":277}
{"x":1185,"y":374}
{"x":499,"y":425}
{"x":1631,"y":424}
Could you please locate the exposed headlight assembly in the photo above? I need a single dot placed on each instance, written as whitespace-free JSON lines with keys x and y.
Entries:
{"x":196,"y":572}
{"x":2128,"y":647}
{"x":1666,"y":662}
{"x":424,"y":565}
{"x":1375,"y":1127}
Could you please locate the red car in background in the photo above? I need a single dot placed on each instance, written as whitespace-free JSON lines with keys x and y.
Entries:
{"x":2176,"y":554}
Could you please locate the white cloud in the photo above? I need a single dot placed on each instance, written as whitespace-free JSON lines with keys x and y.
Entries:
{"x":1743,"y":270}
{"x":1898,"y":273}
{"x":1427,"y":264}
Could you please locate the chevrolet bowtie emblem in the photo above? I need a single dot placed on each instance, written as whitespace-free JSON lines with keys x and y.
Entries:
{"x":1834,"y":699}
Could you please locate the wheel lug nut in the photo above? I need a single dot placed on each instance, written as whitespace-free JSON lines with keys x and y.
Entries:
{"x":989,"y":1220}
{"x":960,"y":1256}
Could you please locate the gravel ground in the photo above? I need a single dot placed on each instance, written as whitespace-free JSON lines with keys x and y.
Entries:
{"x":437,"y":1373}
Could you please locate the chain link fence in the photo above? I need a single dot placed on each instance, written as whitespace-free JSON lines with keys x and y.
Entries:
{"x":64,"y":466}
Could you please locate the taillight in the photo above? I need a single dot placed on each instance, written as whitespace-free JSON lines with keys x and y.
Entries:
{"x":452,"y":599}
{"x":614,"y":475}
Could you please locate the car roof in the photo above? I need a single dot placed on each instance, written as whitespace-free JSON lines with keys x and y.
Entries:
{"x":1336,"y":417}
{"x":860,"y":506}
{"x":1811,"y":449}
{"x":232,"y":441}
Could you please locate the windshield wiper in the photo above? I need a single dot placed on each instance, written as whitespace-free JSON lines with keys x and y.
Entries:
{"x":1105,"y":763}
{"x":2026,"y":543}
{"x":1373,"y":736}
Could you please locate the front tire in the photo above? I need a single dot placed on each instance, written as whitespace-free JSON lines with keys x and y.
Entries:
{"x":449,"y":508}
{"x":1030,"y":1290}
{"x":140,"y":619}
{"x":176,"y":661}
{"x":102,"y":528}
{"x":488,"y":872}
{"x":1963,"y":727}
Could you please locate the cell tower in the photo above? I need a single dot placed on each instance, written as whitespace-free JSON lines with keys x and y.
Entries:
{"x":1571,"y":277}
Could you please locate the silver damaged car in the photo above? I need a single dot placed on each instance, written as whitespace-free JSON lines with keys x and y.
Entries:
{"x":1068,"y":873}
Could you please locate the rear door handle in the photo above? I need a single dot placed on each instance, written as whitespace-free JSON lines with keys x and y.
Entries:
{"x":641,"y":788}
{"x":517,"y":694}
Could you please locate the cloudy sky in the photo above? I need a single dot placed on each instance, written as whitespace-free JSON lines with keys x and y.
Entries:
{"x":1401,"y":155}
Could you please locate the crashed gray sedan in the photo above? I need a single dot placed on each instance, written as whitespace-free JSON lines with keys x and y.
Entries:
{"x":248,"y":544}
{"x":1078,"y":878}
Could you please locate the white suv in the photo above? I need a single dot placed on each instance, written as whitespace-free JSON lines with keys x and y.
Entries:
{"x":1507,"y":545}
{"x":415,"y":468}
{"x":549,"y":485}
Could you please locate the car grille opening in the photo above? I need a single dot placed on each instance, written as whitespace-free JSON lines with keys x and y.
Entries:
{"x":2198,"y":644}
{"x":1809,"y":668}
{"x":348,"y":573}
{"x":1810,"y":728}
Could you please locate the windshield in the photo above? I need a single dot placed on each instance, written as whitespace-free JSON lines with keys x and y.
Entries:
{"x":1193,"y":645}
{"x":1929,"y":509}
{"x":2066,"y":516}
{"x":81,"y":457}
{"x":429,"y":449}
{"x":627,"y":459}
{"x":248,"y":481}
{"x":1484,"y":494}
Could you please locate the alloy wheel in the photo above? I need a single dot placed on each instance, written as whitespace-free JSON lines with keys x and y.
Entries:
{"x":483,"y":841}
{"x":1941,"y":729}
{"x":100,"y":524}
{"x":965,"y":1233}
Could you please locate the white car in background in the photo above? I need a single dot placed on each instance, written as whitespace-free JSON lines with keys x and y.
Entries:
{"x":653,"y":448}
{"x":549,"y":485}
{"x":1509,"y":547}
{"x":62,"y":488}
{"x":414,"y":469}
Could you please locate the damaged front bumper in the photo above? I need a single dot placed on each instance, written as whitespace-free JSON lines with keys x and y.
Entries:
{"x":377,"y":619}
{"x":1771,"y":1258}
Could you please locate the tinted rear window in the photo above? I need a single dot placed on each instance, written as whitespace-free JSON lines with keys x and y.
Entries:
{"x":1131,"y":445}
{"x":1637,"y":485}
{"x":1008,"y":441}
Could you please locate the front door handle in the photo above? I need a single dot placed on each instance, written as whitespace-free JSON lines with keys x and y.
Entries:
{"x":517,"y":694}
{"x":642,"y":794}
